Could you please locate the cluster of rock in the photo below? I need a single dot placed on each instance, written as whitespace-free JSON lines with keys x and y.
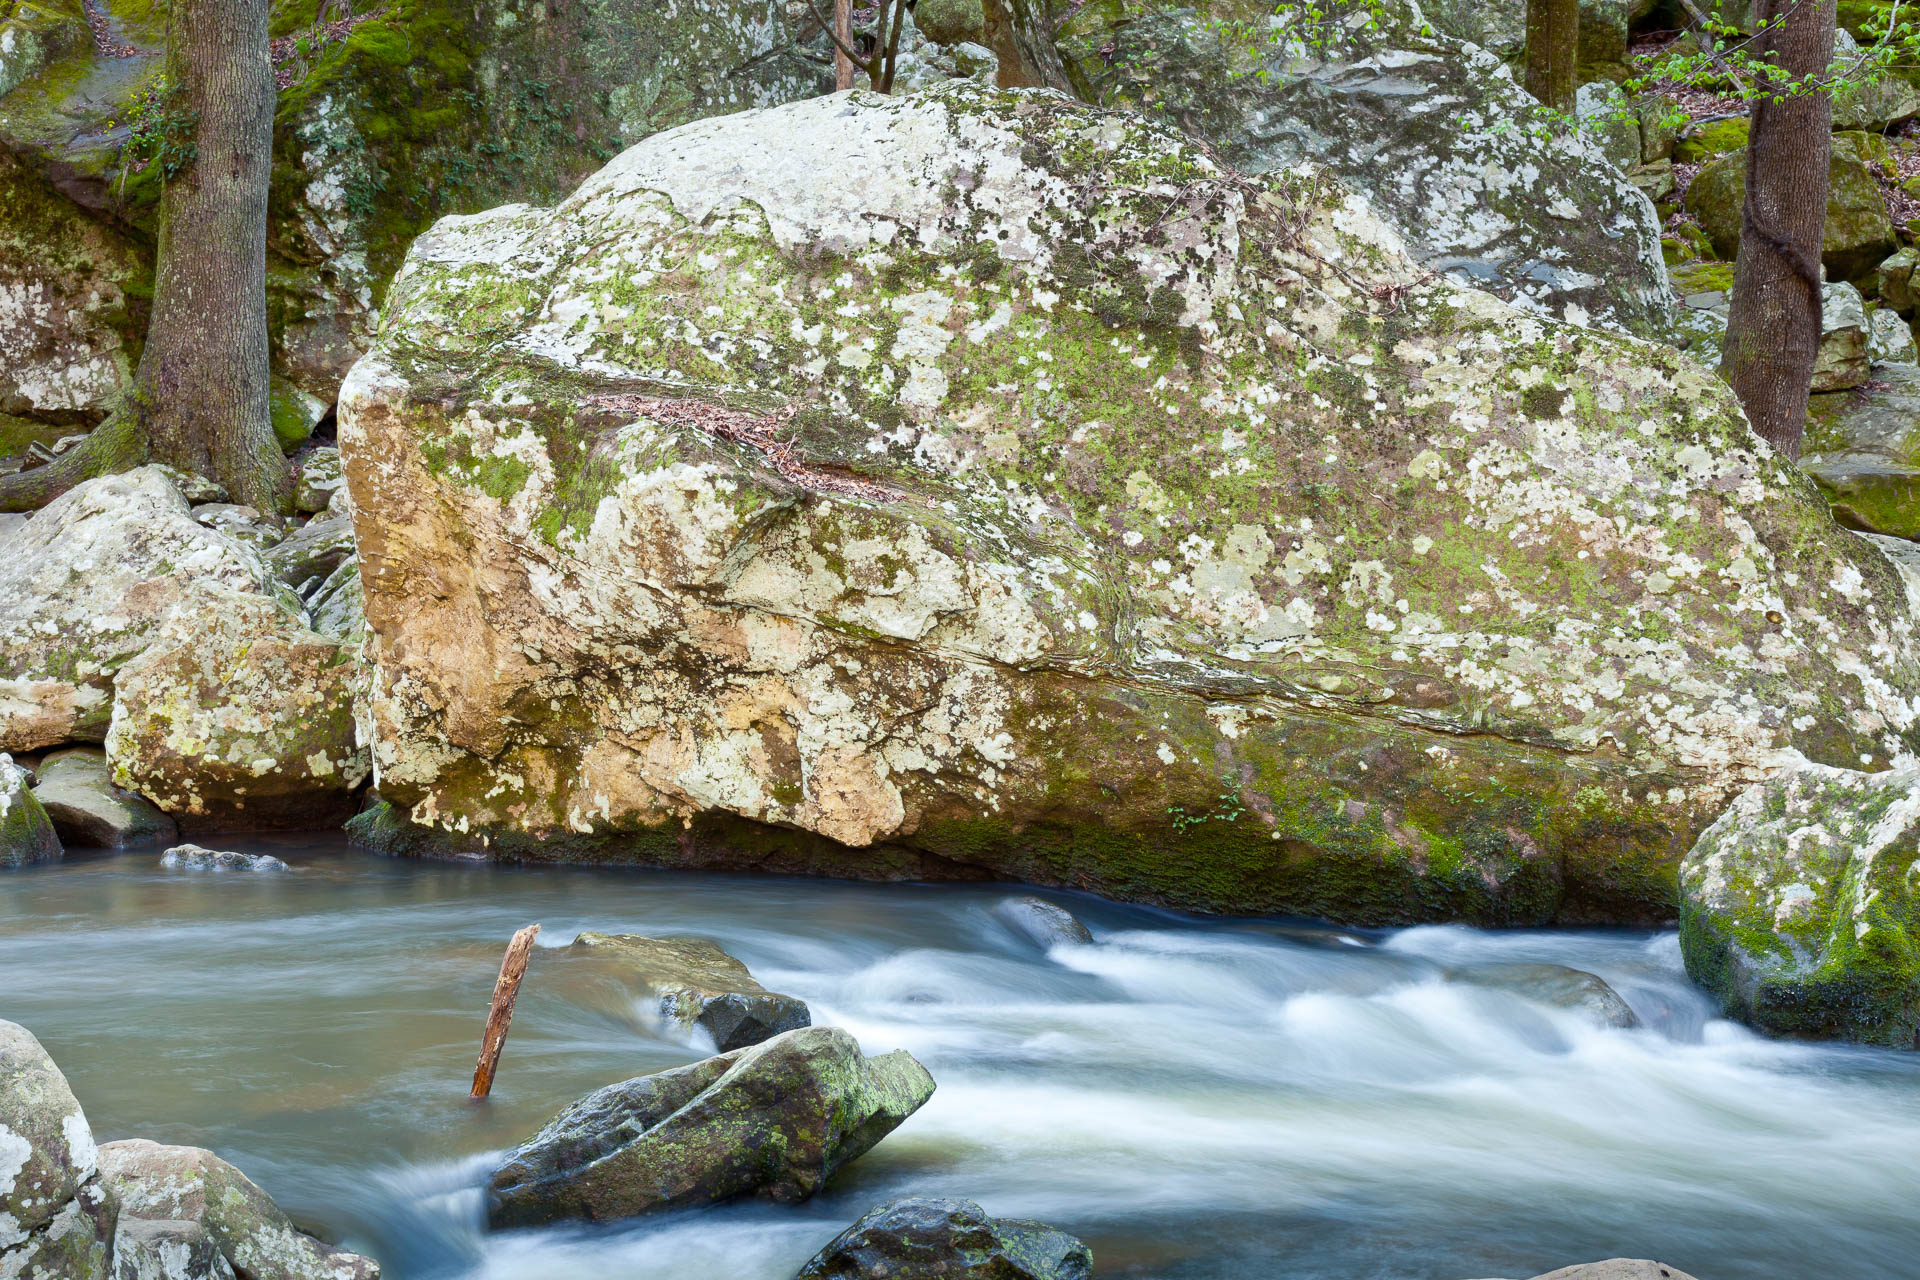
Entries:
{"x":135,"y":1210}
{"x":189,"y":662}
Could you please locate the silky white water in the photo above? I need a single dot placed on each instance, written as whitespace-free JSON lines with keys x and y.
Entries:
{"x":1197,"y":1099}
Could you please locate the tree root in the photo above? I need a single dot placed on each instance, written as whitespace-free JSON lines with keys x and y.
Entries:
{"x":118,"y":444}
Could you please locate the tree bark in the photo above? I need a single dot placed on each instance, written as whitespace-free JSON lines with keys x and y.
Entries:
{"x":843,"y":27}
{"x":1020,"y":33}
{"x":1553,"y":51}
{"x":1773,"y":317}
{"x":202,"y":382}
{"x":506,"y":990}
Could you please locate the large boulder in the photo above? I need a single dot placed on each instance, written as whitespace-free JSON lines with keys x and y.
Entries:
{"x":56,"y":1218}
{"x":88,"y":810}
{"x":700,"y":985}
{"x":775,"y":1120}
{"x":27,"y":835}
{"x":86,"y":584}
{"x":1437,"y":134}
{"x":984,"y":483}
{"x":238,"y":715}
{"x":922,"y":1236}
{"x":1863,"y":448}
{"x":187,"y":1185}
{"x":1800,"y":906}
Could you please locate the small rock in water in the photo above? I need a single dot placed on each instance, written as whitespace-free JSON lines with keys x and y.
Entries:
{"x":26,"y":833}
{"x":1040,"y":922}
{"x":701,"y":985}
{"x":777,"y":1120}
{"x":191,"y":857}
{"x":955,"y":1239}
{"x":1556,"y":984}
{"x":77,"y":790}
{"x":1617,"y":1269}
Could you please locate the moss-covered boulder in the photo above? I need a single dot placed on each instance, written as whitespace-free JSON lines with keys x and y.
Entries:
{"x":1701,"y":141}
{"x":775,"y":1120}
{"x":237,"y":715}
{"x":26,"y":833}
{"x":76,"y":789}
{"x":1447,"y":147}
{"x":1863,"y":448}
{"x":1858,"y":235}
{"x":996,"y":485}
{"x":923,"y":1236}
{"x":1800,"y":906}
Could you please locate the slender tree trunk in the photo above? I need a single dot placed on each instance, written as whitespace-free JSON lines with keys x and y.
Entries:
{"x":1773,"y":319}
{"x":1020,"y":33}
{"x":202,"y":382}
{"x":1553,"y":51}
{"x":843,"y":27}
{"x":199,"y":397}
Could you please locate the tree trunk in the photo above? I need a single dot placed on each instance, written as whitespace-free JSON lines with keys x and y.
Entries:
{"x":843,"y":27}
{"x":1020,"y":33}
{"x":202,"y":382}
{"x":1773,"y":318}
{"x":1553,"y":51}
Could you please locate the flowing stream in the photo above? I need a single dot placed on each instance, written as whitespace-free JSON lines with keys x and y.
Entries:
{"x":1197,"y":1099}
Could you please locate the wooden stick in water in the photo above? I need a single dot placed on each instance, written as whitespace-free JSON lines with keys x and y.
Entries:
{"x":500,"y":1014}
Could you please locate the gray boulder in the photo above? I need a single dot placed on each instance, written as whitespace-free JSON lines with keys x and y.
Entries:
{"x":56,"y":1220}
{"x":1863,"y":451}
{"x":1436,"y":133}
{"x":188,"y":1185}
{"x":921,"y":1237}
{"x":698,"y":984}
{"x":26,"y":833}
{"x":1845,"y":358}
{"x":1890,"y":338}
{"x":1617,"y":1269}
{"x":777,"y":1120}
{"x":191,"y":857}
{"x":1557,"y":985}
{"x":1041,"y":922}
{"x":1800,"y":906}
{"x":160,"y":1249}
{"x":87,"y":810}
{"x":310,"y":553}
{"x":318,"y":481}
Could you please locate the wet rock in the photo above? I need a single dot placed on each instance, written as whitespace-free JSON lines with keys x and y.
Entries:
{"x":1858,"y":235}
{"x":776,"y":1120}
{"x":1557,"y":985}
{"x":27,"y":835}
{"x":699,"y":984}
{"x":991,"y":612}
{"x":192,"y":857}
{"x":1421,"y":125}
{"x":237,"y":715}
{"x":76,"y":788}
{"x":1617,"y":1269}
{"x":922,"y":1236}
{"x":1863,"y":449}
{"x":1041,"y":922}
{"x":86,"y":584}
{"x":318,"y":480}
{"x":176,"y":1185}
{"x":1798,"y":906}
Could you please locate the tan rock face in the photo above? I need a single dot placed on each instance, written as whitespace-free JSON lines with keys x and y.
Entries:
{"x":1029,"y":497}
{"x":237,"y":715}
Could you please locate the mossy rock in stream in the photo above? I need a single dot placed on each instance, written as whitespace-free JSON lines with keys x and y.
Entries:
{"x":1798,"y":906}
{"x":1030,"y":497}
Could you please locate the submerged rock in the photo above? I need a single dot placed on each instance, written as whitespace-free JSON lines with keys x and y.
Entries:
{"x":1041,"y":922}
{"x":1558,"y":985}
{"x":701,"y":985}
{"x":775,"y":1120}
{"x":188,"y":1185}
{"x":26,"y":832}
{"x":77,"y":789}
{"x":1617,"y":1269}
{"x":237,"y":715}
{"x":920,"y":1237}
{"x":191,"y":857}
{"x":983,"y":484}
{"x":1800,"y":906}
